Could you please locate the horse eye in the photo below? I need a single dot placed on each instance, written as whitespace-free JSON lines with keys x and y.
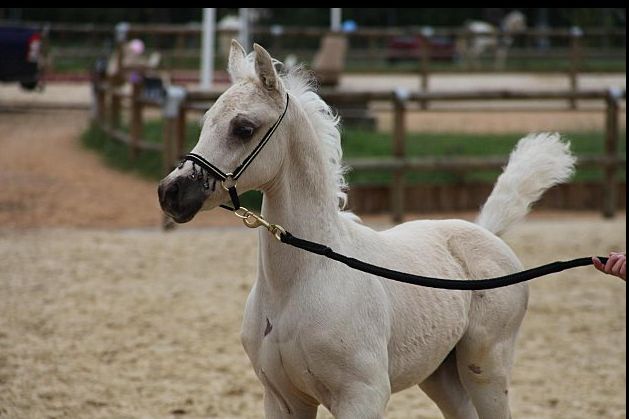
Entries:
{"x":243,"y":131}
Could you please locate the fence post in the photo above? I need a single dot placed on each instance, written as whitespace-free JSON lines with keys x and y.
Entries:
{"x":611,"y":152}
{"x":171,"y":111}
{"x":276,"y":32}
{"x":114,"y":107}
{"x":117,"y":79}
{"x":137,"y":123}
{"x":180,"y":142}
{"x":175,"y":95}
{"x":398,"y":185}
{"x":576,"y":33}
{"x":427,"y":33}
{"x":121,"y":33}
{"x":98,"y":94}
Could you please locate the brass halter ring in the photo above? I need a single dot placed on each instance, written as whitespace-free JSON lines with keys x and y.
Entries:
{"x":229,"y":182}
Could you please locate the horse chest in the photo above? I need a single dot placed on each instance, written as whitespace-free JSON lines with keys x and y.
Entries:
{"x":281,"y":341}
{"x":278,"y":359}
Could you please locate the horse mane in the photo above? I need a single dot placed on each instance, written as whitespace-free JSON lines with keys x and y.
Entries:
{"x":302,"y":85}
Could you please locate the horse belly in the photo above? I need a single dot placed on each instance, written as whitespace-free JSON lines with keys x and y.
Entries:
{"x":426,"y":327}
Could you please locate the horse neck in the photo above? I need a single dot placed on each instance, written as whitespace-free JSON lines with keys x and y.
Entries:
{"x":302,"y":199}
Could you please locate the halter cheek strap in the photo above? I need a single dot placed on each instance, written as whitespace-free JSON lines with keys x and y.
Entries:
{"x":230,"y":179}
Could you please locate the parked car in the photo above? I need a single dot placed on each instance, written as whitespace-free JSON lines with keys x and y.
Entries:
{"x":20,"y":56}
{"x":411,"y":47}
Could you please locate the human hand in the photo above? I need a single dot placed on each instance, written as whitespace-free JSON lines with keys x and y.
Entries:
{"x":616,"y":265}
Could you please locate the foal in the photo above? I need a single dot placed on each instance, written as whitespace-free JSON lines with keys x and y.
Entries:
{"x":318,"y":332}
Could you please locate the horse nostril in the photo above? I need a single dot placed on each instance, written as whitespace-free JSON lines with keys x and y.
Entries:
{"x":172,"y":191}
{"x":168,"y":193}
{"x":181,"y":198}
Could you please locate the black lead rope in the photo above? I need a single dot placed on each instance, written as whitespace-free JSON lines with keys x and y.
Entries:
{"x":426,"y":281}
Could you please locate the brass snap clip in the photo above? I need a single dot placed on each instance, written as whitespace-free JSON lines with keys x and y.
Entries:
{"x":253,"y":220}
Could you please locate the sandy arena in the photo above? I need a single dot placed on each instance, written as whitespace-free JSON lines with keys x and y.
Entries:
{"x":140,"y":323}
{"x":103,"y":315}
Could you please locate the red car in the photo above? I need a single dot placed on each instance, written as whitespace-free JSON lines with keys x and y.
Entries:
{"x":411,"y":47}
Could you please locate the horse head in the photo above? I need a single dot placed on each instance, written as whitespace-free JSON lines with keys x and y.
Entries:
{"x":233,"y":135}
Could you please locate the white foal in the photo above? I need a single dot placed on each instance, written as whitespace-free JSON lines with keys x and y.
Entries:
{"x":318,"y":332}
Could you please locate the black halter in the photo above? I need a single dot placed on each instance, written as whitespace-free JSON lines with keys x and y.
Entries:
{"x":230,"y":179}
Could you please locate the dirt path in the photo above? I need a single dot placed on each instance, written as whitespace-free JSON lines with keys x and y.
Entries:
{"x":498,"y":122}
{"x":130,"y":324}
{"x":49,"y":180}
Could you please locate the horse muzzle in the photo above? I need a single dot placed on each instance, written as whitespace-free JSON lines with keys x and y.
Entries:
{"x":181,"y":197}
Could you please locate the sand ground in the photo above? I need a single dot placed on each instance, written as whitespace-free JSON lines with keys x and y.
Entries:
{"x":145,"y":324}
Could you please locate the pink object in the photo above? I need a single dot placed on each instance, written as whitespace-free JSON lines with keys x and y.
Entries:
{"x":136,"y":46}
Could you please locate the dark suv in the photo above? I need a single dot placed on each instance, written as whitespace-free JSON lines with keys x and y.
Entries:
{"x":20,"y":56}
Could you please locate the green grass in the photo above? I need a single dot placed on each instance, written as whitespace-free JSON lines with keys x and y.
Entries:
{"x":148,"y":165}
{"x":362,"y":144}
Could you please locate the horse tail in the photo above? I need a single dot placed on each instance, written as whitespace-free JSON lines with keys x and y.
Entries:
{"x":538,"y":162}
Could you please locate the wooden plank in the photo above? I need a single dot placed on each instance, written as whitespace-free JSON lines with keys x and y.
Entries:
{"x":180,"y":133}
{"x":115,"y":108}
{"x":399,"y":151}
{"x":611,"y":152}
{"x":137,"y":122}
{"x":575,"y":63}
{"x":169,"y":152}
{"x":422,"y":198}
{"x":194,"y":29}
{"x":341,"y":96}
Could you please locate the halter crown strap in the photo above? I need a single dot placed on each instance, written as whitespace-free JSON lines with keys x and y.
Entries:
{"x":232,"y":177}
{"x":247,"y":161}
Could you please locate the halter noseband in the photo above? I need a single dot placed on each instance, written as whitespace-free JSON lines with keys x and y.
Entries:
{"x":230,"y":179}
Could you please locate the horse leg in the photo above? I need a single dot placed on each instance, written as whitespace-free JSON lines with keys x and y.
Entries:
{"x":361,"y":400}
{"x":283,"y":405}
{"x":445,"y":389}
{"x":485,"y":373}
{"x":277,"y":407}
{"x":485,"y":353}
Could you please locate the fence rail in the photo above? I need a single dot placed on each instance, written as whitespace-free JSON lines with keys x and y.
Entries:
{"x":571,"y":49}
{"x":109,"y":99}
{"x":194,"y":29}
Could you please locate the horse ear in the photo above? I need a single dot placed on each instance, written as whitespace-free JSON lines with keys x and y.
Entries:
{"x":265,"y":69}
{"x":237,"y":56}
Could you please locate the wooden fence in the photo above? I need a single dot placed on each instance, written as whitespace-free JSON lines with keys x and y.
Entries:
{"x":366,"y":44}
{"x":108,"y":101}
